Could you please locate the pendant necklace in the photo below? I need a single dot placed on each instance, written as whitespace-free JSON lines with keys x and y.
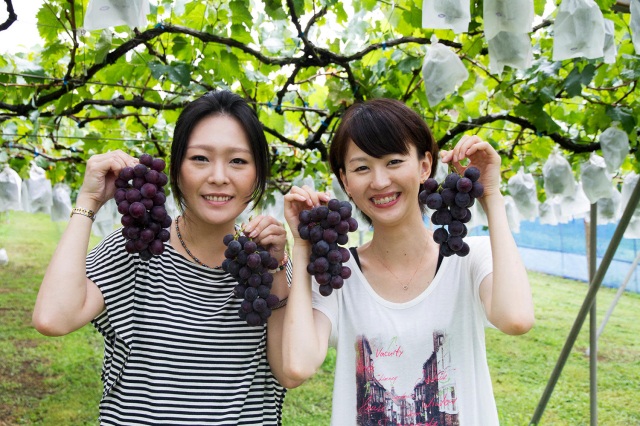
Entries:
{"x":184,"y":246}
{"x":405,"y":287}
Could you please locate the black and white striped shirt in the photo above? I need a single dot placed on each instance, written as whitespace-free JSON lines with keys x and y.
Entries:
{"x":176,"y":351}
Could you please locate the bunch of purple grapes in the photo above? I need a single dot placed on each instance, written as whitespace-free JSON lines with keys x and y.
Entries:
{"x":140,"y":198}
{"x":250,"y":265}
{"x":451,"y":202}
{"x":327,"y":228}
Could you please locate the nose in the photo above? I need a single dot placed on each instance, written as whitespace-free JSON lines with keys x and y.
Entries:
{"x":380,"y":179}
{"x":218,"y":174}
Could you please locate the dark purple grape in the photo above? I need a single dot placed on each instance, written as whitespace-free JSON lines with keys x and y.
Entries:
{"x":162,"y":179}
{"x":477,"y":191}
{"x":259,"y":305}
{"x":251,"y":294}
{"x":325,"y":290}
{"x":148,"y":204}
{"x":440,"y":235}
{"x":148,"y":190}
{"x":126,"y":173}
{"x":323,"y":278}
{"x":330,"y":235}
{"x":121,"y":183}
{"x":434,"y":201}
{"x":346,"y":272}
{"x":462,"y":199}
{"x":250,"y":247}
{"x":133,"y":195}
{"x":139,"y":170}
{"x":305,"y":217}
{"x":137,"y":210}
{"x":158,"y":164}
{"x":448,"y":196}
{"x":422,"y":197}
{"x":336,"y":282}
{"x":334,"y":205}
{"x":430,"y":185}
{"x":464,"y":184}
{"x":158,"y":213}
{"x":272,"y":300}
{"x":456,"y":228}
{"x":472,"y":173}
{"x":146,"y":160}
{"x":321,"y":265}
{"x":123,"y":207}
{"x":227,"y":239}
{"x":147,"y":235}
{"x":451,"y":180}
{"x":455,"y":243}
{"x":464,"y":250}
{"x":254,"y":319}
{"x":156,"y":247}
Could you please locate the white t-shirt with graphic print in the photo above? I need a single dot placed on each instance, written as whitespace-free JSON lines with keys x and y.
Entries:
{"x":421,"y":362}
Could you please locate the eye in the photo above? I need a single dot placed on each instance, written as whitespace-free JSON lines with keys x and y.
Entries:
{"x":239,"y":161}
{"x":395,"y":161}
{"x":199,"y":158}
{"x":360,"y":169}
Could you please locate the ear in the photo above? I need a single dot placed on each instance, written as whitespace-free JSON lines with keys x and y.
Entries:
{"x":425,"y":166}
{"x":345,"y":182}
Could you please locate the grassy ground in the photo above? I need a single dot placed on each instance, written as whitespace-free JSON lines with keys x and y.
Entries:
{"x":55,"y":381}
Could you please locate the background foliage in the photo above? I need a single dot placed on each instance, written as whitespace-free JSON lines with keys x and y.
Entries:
{"x":300,"y":63}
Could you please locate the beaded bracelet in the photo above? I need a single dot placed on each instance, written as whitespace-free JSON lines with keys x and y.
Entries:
{"x":282,"y":265}
{"x":84,"y":212}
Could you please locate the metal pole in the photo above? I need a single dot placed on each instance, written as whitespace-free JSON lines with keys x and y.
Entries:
{"x":593,"y":339}
{"x":586,"y":305}
{"x":618,"y":295}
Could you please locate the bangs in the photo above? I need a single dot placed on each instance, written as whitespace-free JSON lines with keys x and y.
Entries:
{"x":377,"y":134}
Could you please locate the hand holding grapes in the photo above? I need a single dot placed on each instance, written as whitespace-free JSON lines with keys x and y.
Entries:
{"x":101,"y":172}
{"x":482,"y":156}
{"x":269,"y":233}
{"x":297,"y":200}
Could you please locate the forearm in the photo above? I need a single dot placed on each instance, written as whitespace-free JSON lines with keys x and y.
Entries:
{"x":304,"y":349}
{"x":275,"y":325}
{"x":511,"y":305}
{"x":63,"y":295}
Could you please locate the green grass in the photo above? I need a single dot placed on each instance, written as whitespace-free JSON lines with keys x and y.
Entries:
{"x":56,"y":381}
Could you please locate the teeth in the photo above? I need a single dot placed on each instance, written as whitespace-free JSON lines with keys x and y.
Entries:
{"x":216,"y":199}
{"x":385,"y":200}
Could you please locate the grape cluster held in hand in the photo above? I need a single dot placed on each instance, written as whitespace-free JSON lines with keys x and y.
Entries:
{"x":327,"y":227}
{"x":451,"y":201}
{"x":140,"y":198}
{"x":250,"y":265}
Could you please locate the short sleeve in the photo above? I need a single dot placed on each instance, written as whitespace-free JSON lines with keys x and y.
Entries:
{"x":113,"y":270}
{"x":328,"y":305}
{"x":480,"y":265}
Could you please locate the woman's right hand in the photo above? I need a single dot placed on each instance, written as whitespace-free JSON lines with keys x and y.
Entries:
{"x":297,"y":200}
{"x":99,"y":178}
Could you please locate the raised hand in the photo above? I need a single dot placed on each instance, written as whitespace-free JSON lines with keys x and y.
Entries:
{"x":269,"y":233}
{"x":297,"y":200}
{"x":481,"y":155}
{"x":101,"y":172}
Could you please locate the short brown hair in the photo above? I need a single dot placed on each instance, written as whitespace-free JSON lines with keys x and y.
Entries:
{"x":380,"y":127}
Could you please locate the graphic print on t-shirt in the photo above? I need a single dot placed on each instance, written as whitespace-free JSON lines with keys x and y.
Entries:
{"x":391,"y":392}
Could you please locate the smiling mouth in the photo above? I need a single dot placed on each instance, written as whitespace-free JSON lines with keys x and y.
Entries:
{"x":385,"y":200}
{"x":217,"y":199}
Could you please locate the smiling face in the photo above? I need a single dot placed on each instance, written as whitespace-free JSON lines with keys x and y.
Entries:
{"x":218,"y":173}
{"x":385,"y":189}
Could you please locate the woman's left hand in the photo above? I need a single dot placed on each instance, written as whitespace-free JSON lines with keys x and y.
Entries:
{"x":269,"y":233}
{"x":481,"y":155}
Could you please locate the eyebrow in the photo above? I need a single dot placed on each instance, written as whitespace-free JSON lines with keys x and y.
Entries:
{"x":355,"y":159}
{"x":207,"y":147}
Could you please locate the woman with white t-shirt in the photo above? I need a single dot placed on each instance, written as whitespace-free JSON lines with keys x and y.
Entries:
{"x":408,"y":324}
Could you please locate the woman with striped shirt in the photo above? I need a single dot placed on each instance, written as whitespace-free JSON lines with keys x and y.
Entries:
{"x":176,"y":351}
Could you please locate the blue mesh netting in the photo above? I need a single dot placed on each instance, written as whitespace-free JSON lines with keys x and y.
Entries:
{"x":561,"y":250}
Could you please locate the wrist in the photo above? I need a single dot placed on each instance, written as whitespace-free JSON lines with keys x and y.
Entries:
{"x":88,"y":203}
